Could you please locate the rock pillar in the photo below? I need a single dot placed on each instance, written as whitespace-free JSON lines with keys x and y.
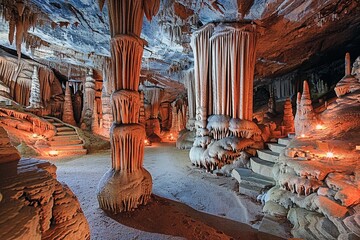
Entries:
{"x":305,"y":119}
{"x":127,"y":184}
{"x":35,"y":95}
{"x":68,"y":112}
{"x":190,"y":86}
{"x":89,"y":98}
{"x":288,"y":119}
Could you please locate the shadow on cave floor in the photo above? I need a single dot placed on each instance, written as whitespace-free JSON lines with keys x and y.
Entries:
{"x":173,"y":218}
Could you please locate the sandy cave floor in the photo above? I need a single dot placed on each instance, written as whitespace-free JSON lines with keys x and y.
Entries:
{"x":187,"y":202}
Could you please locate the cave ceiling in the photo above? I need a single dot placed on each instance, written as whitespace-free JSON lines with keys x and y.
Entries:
{"x":290,"y":31}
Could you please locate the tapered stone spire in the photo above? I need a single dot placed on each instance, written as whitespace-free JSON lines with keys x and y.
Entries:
{"x":68,"y":112}
{"x":35,"y":95}
{"x":305,"y":118}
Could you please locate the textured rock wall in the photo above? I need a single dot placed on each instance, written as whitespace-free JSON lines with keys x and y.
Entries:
{"x":33,"y":204}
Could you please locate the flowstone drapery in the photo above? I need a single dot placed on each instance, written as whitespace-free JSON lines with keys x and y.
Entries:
{"x":127,"y":184}
{"x":224,"y":70}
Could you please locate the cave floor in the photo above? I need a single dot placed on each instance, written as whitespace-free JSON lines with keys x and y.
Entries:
{"x":187,"y":202}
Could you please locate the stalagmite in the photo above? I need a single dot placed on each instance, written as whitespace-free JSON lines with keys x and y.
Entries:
{"x":305,"y":118}
{"x":288,"y":119}
{"x":127,"y":184}
{"x":35,"y":95}
{"x":68,"y":112}
{"x":190,"y":86}
{"x":348,"y":83}
{"x":78,"y":100}
{"x":89,"y":98}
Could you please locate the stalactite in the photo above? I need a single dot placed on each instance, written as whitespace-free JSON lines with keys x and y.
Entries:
{"x":12,"y":27}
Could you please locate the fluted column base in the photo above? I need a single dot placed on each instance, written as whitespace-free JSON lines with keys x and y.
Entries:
{"x":121,"y":191}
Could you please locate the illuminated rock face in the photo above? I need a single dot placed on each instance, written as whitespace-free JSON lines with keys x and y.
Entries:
{"x":33,"y":204}
{"x":127,"y":184}
{"x":317,"y":176}
{"x":288,"y":119}
{"x":224,"y":70}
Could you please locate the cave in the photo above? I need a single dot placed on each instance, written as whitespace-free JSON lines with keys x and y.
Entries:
{"x":179,"y":119}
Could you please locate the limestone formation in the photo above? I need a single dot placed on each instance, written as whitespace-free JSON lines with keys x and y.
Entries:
{"x":127,"y":184}
{"x":68,"y":112}
{"x":35,"y":94}
{"x":89,"y":98}
{"x":356,"y":68}
{"x":224,"y":58}
{"x":78,"y":100}
{"x":305,"y":119}
{"x":348,"y":83}
{"x":190,"y":86}
{"x":34,"y":205}
{"x":288,"y":118}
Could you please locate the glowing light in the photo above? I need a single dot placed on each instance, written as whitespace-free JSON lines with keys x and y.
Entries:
{"x":302,"y":135}
{"x":330,"y":155}
{"x":320,"y":127}
{"x":53,"y":153}
{"x":35,"y":135}
{"x":146,"y":142}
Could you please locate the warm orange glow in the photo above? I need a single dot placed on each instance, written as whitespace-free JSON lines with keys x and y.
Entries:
{"x":302,"y":135}
{"x":35,"y":135}
{"x":329,"y":155}
{"x":146,"y":142}
{"x":320,"y":127}
{"x":53,"y":153}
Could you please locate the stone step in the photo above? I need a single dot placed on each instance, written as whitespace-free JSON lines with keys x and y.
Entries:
{"x":268,"y":155}
{"x":291,"y":135}
{"x":50,"y":120}
{"x":275,"y":147}
{"x":65,"y":129}
{"x":261,"y":167}
{"x":69,"y":152}
{"x":60,"y":142}
{"x":284,"y":141}
{"x":274,"y":226}
{"x":65,"y":138}
{"x":72,"y":133}
{"x":248,"y":177}
{"x":68,"y":147}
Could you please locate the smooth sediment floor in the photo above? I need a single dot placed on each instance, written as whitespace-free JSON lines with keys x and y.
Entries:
{"x":187,"y":203}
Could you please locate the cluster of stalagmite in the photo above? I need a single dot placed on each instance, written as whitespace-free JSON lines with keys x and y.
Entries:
{"x":127,"y":184}
{"x":305,"y":119}
{"x":33,"y":204}
{"x":348,"y":83}
{"x":224,"y":58}
{"x":68,"y":112}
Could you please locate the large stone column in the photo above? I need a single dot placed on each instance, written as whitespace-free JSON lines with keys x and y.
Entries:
{"x":190,"y":86}
{"x":233,"y":50}
{"x":127,"y":184}
{"x":89,"y":98}
{"x":35,"y":95}
{"x":68,"y":112}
